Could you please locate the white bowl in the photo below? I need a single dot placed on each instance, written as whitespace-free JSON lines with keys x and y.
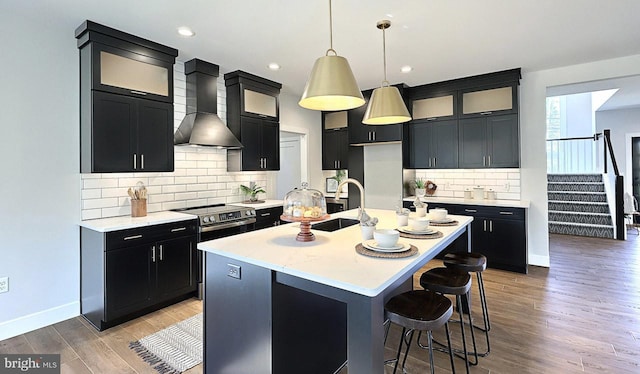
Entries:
{"x":438,"y":214}
{"x":386,"y":238}
{"x":419,"y":223}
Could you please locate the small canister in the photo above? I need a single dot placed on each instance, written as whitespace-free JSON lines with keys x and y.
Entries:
{"x":467,"y":193}
{"x":491,"y":194}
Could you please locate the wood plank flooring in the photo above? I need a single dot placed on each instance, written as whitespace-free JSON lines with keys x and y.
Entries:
{"x":582,"y":315}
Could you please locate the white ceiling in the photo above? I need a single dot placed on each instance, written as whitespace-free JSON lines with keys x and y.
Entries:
{"x":440,"y":39}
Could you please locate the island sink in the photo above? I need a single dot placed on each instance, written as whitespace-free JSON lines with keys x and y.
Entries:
{"x":334,"y":224}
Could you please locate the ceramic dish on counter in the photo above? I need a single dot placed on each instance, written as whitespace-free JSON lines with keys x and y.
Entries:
{"x":409,"y":230}
{"x":373,"y":245}
{"x":445,"y":220}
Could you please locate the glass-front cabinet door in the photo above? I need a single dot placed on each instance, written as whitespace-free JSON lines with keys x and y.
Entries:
{"x":127,"y":73}
{"x":490,"y":101}
{"x":259,"y":103}
{"x":434,"y":108}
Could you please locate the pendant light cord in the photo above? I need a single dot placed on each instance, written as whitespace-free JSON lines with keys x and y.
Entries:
{"x":331,"y":32}
{"x":384,"y":56}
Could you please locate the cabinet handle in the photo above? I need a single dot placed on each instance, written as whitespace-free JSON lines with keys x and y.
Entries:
{"x":138,"y":93}
{"x":470,"y":210}
{"x":265,"y":214}
{"x":429,"y":161}
{"x":133,"y":237}
{"x":434,"y":162}
{"x":161,"y":252}
{"x":485,"y":224}
{"x":484,"y":161}
{"x":142,"y":161}
{"x":489,"y":161}
{"x":134,"y":161}
{"x":374,"y":135}
{"x":432,"y":119}
{"x":490,"y":226}
{"x":339,"y":164}
{"x":507,"y":213}
{"x":178,"y":229}
{"x":485,"y":113}
{"x":153,"y":254}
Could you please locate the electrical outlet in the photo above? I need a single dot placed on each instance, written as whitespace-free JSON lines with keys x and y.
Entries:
{"x":507,"y":186}
{"x":233,"y":271}
{"x":4,"y":284}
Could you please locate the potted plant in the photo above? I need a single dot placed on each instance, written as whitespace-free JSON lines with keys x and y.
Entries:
{"x":420,"y":187}
{"x":252,"y":191}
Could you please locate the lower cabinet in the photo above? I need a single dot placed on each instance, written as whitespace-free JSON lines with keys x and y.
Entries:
{"x":268,"y":217}
{"x":127,"y":273}
{"x":499,"y":233}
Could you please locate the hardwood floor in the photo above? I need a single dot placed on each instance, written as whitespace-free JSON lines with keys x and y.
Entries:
{"x":580,"y":315}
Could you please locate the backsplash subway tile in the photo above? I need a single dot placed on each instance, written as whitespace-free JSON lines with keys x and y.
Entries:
{"x":453,"y":182}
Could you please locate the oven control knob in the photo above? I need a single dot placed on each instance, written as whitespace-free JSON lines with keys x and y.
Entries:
{"x":206,"y":219}
{"x":212,"y":218}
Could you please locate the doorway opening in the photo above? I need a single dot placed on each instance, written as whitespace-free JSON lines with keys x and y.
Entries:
{"x":293,"y":162}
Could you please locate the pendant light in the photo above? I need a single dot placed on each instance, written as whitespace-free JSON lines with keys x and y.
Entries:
{"x":386,"y":105}
{"x":331,"y":85}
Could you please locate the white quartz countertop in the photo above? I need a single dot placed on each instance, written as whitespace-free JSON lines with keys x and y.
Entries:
{"x":128,"y":222}
{"x":264,"y":205}
{"x":331,"y":259}
{"x":486,"y":202}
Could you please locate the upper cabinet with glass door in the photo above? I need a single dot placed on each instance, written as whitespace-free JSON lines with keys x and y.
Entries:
{"x":435,"y":106}
{"x":258,"y":97}
{"x":126,"y":65}
{"x":490,"y":100}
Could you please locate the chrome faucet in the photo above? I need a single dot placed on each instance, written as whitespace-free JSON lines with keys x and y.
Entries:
{"x":354,"y":181}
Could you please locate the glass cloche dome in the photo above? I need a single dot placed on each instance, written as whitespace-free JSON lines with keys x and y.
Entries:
{"x":304,"y":204}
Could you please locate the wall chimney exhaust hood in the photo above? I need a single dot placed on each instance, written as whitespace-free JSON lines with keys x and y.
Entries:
{"x":202,"y":126}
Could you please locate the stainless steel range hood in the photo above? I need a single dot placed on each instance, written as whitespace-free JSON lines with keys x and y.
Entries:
{"x":202,"y":126}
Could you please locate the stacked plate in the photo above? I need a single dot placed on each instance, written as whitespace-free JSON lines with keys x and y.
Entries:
{"x":445,"y":220}
{"x":409,"y":230}
{"x":374,"y":246}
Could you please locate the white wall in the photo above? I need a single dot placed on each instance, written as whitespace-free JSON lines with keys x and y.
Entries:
{"x":39,"y":192}
{"x":624,"y":124}
{"x":533,"y":136}
{"x":382,"y":176}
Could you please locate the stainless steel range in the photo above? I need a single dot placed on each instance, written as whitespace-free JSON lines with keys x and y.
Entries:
{"x":219,"y":221}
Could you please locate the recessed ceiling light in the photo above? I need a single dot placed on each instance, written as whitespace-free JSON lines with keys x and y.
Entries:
{"x":274,"y":66}
{"x":185,"y":31}
{"x":406,"y":69}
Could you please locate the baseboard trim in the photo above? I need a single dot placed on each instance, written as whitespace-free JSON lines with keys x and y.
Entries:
{"x":538,"y":260}
{"x":34,"y":321}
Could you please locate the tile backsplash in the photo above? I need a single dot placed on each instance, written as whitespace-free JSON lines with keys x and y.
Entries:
{"x":200,"y":176}
{"x":453,"y":182}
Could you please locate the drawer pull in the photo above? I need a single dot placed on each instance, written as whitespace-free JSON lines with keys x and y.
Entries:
{"x":471,"y":210}
{"x":153,"y":254}
{"x":507,"y":213}
{"x":485,"y":113}
{"x":133,"y":237}
{"x":138,"y":93}
{"x":265,"y":214}
{"x":178,"y":229}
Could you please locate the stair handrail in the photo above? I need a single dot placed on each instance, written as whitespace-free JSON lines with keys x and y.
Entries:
{"x":608,"y":147}
{"x":594,"y":137}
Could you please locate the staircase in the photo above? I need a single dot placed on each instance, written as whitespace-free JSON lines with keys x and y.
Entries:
{"x":578,"y":205}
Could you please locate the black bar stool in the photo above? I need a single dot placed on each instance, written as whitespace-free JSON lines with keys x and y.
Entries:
{"x":448,"y":281}
{"x":473,"y":263}
{"x":420,"y":310}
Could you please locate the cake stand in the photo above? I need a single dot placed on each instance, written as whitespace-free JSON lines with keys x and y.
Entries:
{"x":305,"y":234}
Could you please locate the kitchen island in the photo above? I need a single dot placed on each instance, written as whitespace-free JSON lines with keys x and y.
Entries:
{"x":263,"y":285}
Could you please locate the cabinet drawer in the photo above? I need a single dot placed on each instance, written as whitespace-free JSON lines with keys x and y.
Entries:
{"x":149,"y":234}
{"x":491,"y":212}
{"x":268,"y":214}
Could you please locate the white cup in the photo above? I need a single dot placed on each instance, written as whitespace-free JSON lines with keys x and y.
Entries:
{"x":403,"y":219}
{"x":421,"y":212}
{"x":419,"y":223}
{"x":367,"y":232}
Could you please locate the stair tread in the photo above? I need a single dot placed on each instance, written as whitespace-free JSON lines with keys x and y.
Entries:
{"x":582,"y":224}
{"x":581,"y":192}
{"x":578,"y":202}
{"x":569,"y":182}
{"x":580,"y":213}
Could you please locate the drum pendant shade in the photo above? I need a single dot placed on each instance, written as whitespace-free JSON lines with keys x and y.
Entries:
{"x":331,"y":86}
{"x":386,"y":107}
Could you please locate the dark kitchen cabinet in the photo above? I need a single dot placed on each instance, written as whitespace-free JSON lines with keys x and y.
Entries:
{"x":268,"y":217}
{"x":335,"y":149}
{"x":495,"y":99}
{"x":126,"y":102}
{"x":489,"y":142}
{"x":128,"y":273}
{"x":499,"y":233}
{"x":361,"y":134}
{"x":431,"y":144}
{"x":253,"y":115}
{"x":128,"y":134}
{"x":261,"y":146}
